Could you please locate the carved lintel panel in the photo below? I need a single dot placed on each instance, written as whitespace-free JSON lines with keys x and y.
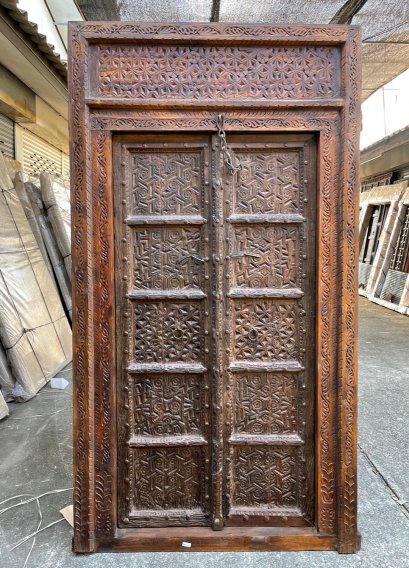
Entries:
{"x":217,"y":72}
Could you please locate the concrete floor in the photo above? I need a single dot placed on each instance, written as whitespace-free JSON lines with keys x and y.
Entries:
{"x":36,"y":447}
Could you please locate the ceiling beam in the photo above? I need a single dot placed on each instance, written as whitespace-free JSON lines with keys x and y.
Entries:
{"x":348,"y":11}
{"x":215,"y":14}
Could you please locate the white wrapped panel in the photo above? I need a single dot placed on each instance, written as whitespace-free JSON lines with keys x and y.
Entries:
{"x":7,"y":381}
{"x":19,"y":182}
{"x":56,"y":259}
{"x":4,"y":409}
{"x":56,"y":198}
{"x":33,"y":327}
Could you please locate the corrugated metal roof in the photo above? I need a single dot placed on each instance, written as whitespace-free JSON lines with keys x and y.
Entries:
{"x":31,"y":30}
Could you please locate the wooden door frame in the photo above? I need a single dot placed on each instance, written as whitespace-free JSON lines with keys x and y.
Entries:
{"x":98,"y":110}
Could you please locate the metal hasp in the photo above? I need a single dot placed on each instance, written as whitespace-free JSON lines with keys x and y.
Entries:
{"x":215,"y":216}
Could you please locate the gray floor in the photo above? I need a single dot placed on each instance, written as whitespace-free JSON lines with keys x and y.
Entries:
{"x":36,"y":446}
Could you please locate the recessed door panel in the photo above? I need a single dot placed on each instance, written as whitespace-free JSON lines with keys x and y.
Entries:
{"x":215,"y":290}
{"x":270,"y":319}
{"x":164,"y":323}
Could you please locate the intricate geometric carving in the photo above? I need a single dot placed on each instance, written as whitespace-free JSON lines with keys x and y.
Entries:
{"x":165,"y":478}
{"x":216,"y":72}
{"x":165,"y":183}
{"x":265,"y":257}
{"x":265,"y":475}
{"x":168,"y":332}
{"x":266,"y":330}
{"x":267,"y":183}
{"x":167,"y":258}
{"x":166,"y":405}
{"x":266,"y":404}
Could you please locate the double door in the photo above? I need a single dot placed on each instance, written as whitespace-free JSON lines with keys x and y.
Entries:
{"x":215,"y":317}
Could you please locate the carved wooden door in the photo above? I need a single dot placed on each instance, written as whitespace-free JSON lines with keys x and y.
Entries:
{"x":214,"y":288}
{"x":215,"y":271}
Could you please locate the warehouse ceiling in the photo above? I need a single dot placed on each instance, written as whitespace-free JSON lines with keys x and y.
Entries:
{"x":385,"y":23}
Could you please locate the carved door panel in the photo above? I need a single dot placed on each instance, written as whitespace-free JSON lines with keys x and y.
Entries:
{"x":215,"y":287}
{"x":270,"y":323}
{"x":164,"y":341}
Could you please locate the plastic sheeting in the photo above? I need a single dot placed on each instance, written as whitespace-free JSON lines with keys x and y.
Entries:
{"x":19,"y":181}
{"x":7,"y":381}
{"x":56,"y":198}
{"x":56,"y":259}
{"x":33,"y":327}
{"x":4,"y":409}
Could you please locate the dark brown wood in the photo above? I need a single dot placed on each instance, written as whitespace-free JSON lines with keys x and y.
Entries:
{"x":215,"y":310}
{"x":203,"y":539}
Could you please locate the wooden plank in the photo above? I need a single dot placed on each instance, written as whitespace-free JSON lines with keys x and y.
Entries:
{"x":265,"y":293}
{"x":187,"y":368}
{"x":266,"y":218}
{"x":166,"y":295}
{"x":237,"y":539}
{"x":165,"y":220}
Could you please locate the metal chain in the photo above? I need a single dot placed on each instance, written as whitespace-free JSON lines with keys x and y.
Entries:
{"x":233,"y":165}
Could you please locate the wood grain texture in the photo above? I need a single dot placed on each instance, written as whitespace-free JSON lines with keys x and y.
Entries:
{"x":324,"y":104}
{"x":237,"y":539}
{"x":163,"y":319}
{"x":348,"y":538}
{"x":84,"y":483}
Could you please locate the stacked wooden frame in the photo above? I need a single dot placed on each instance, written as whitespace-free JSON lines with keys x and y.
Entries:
{"x":382,"y":234}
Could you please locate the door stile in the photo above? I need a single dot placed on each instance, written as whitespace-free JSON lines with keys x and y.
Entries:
{"x":218,"y":333}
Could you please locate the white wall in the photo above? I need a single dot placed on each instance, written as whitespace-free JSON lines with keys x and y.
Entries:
{"x":386,"y":111}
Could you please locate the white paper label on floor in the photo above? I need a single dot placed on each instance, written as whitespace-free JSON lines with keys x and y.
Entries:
{"x":187,"y":544}
{"x":68,"y":514}
{"x":58,"y":383}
